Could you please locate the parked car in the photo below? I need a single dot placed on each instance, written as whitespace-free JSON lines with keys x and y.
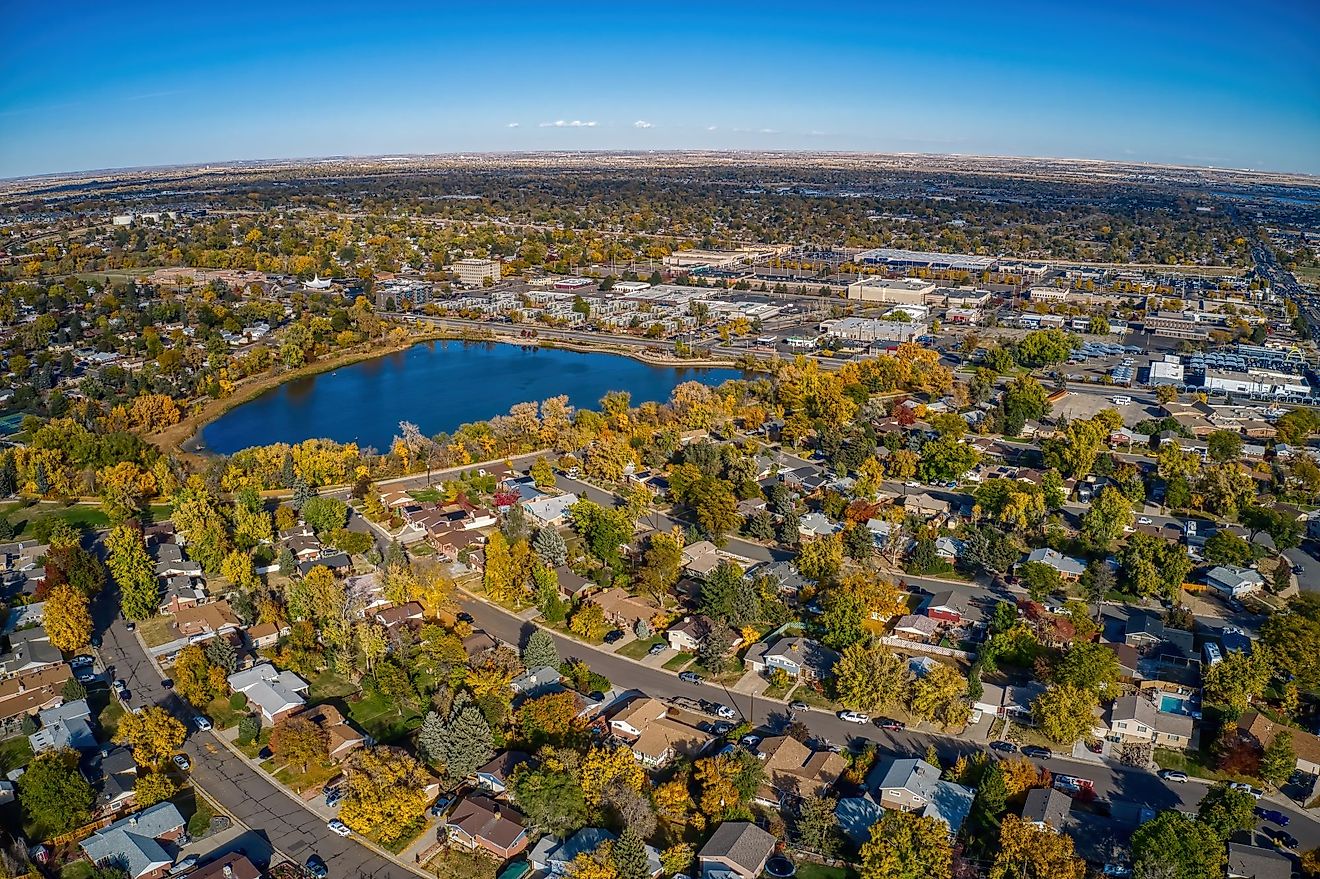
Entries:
{"x":689,"y":677}
{"x":656,"y":649}
{"x":82,"y":661}
{"x":167,"y":683}
{"x":182,"y":762}
{"x":725,"y":711}
{"x":338,"y":827}
{"x":119,"y":687}
{"x":202,"y":723}
{"x":890,"y":725}
{"x":1274,"y":816}
{"x":750,"y":741}
{"x":1003,"y":746}
{"x":613,"y":636}
{"x":1243,"y":786}
{"x":1036,"y":752}
{"x":1145,"y":520}
{"x":854,"y":717}
{"x":1173,"y":775}
{"x":184,"y":866}
{"x":1281,"y":838}
{"x":721,"y":727}
{"x":317,"y":867}
{"x":84,"y":675}
{"x":799,"y":705}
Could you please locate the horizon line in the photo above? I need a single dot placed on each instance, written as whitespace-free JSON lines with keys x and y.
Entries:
{"x":229,"y":163}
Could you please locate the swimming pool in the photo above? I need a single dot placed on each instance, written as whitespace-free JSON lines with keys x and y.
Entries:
{"x":1171,"y":704}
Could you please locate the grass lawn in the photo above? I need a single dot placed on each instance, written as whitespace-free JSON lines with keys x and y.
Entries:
{"x":428,"y":495}
{"x":77,"y":870}
{"x":679,"y":661}
{"x":383,"y":719}
{"x":222,"y":714}
{"x":1191,"y":762}
{"x":294,"y":777}
{"x":814,"y":699}
{"x":14,"y":753}
{"x":638,"y":649}
{"x":457,"y":864}
{"x":773,"y":692}
{"x":808,"y":870}
{"x":111,"y":711}
{"x":252,"y":749}
{"x":732,"y":675}
{"x":328,"y":685}
{"x":157,"y":631}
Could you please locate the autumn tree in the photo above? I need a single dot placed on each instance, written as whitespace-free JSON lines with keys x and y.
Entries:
{"x":905,"y":845}
{"x":53,"y":793}
{"x":134,"y":571}
{"x":1174,"y":846}
{"x":298,"y":741}
{"x":869,"y":677}
{"x":1064,"y":713}
{"x":68,"y":621}
{"x":1029,"y":851}
{"x":152,"y":733}
{"x":1109,"y":514}
{"x":549,"y":719}
{"x":940,"y":696}
{"x":196,"y":678}
{"x":385,"y":793}
{"x":604,"y":767}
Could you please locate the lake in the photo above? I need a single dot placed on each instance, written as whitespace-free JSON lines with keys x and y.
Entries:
{"x":438,"y":386}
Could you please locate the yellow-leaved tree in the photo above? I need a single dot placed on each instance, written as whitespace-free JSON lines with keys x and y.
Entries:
{"x":604,"y":767}
{"x":386,"y":792}
{"x":68,"y":622}
{"x":152,"y":733}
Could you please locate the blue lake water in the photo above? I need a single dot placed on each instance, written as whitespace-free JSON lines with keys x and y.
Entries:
{"x":438,"y":386}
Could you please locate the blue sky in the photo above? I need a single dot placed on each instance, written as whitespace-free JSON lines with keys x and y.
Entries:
{"x":104,"y":85}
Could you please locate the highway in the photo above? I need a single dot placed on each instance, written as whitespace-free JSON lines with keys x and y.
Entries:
{"x":247,"y":794}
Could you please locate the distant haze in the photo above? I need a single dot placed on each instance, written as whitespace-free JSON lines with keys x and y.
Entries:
{"x":106,"y":86}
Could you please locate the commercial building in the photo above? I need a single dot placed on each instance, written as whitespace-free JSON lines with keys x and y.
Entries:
{"x":1257,"y":381}
{"x":1047,"y":294}
{"x":859,"y":329}
{"x":916,"y":259}
{"x":905,"y":291}
{"x":1167,"y":371}
{"x":574,"y":284}
{"x":1177,"y":325}
{"x":475,"y":272}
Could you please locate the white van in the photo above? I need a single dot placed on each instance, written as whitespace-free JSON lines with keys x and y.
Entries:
{"x":1121,"y":401}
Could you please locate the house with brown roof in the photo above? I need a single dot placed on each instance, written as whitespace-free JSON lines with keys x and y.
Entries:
{"x":400,"y":614}
{"x":344,"y":739}
{"x":795,"y":772}
{"x":655,"y":737}
{"x":206,"y":619}
{"x":692,"y":631}
{"x":479,"y":822}
{"x":1260,"y":731}
{"x":28,"y":693}
{"x":624,"y":610}
{"x":264,"y":635}
{"x":737,"y":850}
{"x":233,"y":865}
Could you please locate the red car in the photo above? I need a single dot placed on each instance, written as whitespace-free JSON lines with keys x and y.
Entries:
{"x":890,"y":725}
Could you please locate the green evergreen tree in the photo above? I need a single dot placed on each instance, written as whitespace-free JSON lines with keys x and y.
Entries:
{"x":540,"y":650}
{"x":549,"y":545}
{"x":431,"y":738}
{"x":468,"y":743}
{"x":630,"y":856}
{"x":220,"y":651}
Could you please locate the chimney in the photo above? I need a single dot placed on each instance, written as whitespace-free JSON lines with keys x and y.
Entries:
{"x":228,"y":870}
{"x":132,"y":820}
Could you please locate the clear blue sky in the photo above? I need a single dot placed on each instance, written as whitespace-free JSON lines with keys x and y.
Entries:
{"x":103,"y":85}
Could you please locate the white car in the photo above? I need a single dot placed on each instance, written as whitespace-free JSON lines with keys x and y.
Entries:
{"x":1243,"y":786}
{"x":725,"y":711}
{"x":119,"y":686}
{"x":181,"y":762}
{"x":854,"y":717}
{"x":337,"y":826}
{"x":202,"y":724}
{"x":1145,"y":520}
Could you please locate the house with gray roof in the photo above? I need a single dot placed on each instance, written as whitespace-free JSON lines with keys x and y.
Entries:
{"x":549,"y":510}
{"x":1252,"y":862}
{"x":800,"y":657}
{"x":1233,"y":581}
{"x":1047,"y":807}
{"x":737,"y":850}
{"x":1068,"y":567}
{"x":29,"y":650}
{"x":277,"y":693}
{"x":913,"y":785}
{"x":135,"y":844}
{"x":555,"y":856}
{"x":66,"y":726}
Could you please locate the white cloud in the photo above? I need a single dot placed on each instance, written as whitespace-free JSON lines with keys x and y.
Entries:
{"x":513,"y":124}
{"x":576,"y":123}
{"x":642,"y":123}
{"x":768,"y":131}
{"x":712,"y":128}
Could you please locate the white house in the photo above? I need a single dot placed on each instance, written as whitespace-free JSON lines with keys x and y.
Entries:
{"x":1234,"y":581}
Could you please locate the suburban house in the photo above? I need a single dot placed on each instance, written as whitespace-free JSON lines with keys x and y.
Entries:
{"x":25,"y":694}
{"x":700,"y":559}
{"x":172,"y":561}
{"x":30,"y":650}
{"x":479,"y":822}
{"x":1234,"y":581}
{"x":785,"y":576}
{"x":538,"y":681}
{"x":691,"y":633}
{"x":815,"y":525}
{"x":1134,"y":718}
{"x":233,"y":865}
{"x":277,"y":694}
{"x":737,"y":850}
{"x":653,"y":735}
{"x":494,"y":776}
{"x":801,"y":657}
{"x":795,"y":772}
{"x":343,"y":738}
{"x":206,"y":619}
{"x":555,"y":857}
{"x":1009,"y":700}
{"x":1258,"y":729}
{"x":67,"y":726}
{"x":264,"y":635}
{"x":133,"y":843}
{"x":925,"y":506}
{"x":1068,"y":567}
{"x":400,"y":615}
{"x":947,"y":607}
{"x":1047,"y":807}
{"x":917,"y":628}
{"x":913,"y":785}
{"x":549,"y":511}
{"x":181,"y":590}
{"x":624,"y":610}
{"x":1252,"y":862}
{"x":116,"y":780}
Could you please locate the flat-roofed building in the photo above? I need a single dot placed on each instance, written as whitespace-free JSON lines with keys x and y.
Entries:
{"x":896,"y":258}
{"x":474,"y":272}
{"x":1167,"y":371}
{"x":904,"y":291}
{"x":1047,"y":294}
{"x":1176,"y":325}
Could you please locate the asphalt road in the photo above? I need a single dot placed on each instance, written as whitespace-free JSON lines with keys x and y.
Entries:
{"x":243,"y":791}
{"x":1113,"y":783}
